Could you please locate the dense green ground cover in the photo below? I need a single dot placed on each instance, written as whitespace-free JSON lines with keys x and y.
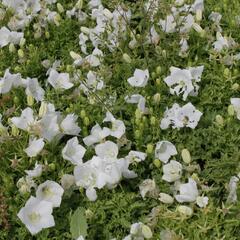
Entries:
{"x":213,"y":144}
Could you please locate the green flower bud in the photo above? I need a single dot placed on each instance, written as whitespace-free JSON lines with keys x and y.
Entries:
{"x":52,"y":166}
{"x":47,"y":34}
{"x":86,"y":121}
{"x":12,"y":48}
{"x":235,"y":87}
{"x":153,"y":121}
{"x":226,"y":72}
{"x":231,"y":110}
{"x":126,"y":58}
{"x":146,"y":231}
{"x":185,"y":211}
{"x":150,"y":148}
{"x":83,"y":114}
{"x":60,"y":8}
{"x":156,"y":98}
{"x":30,"y":100}
{"x":138,"y":114}
{"x":158,"y":81}
{"x":15,"y":131}
{"x":20,"y":53}
{"x":137,"y":134}
{"x":219,"y":120}
{"x":158,"y":70}
{"x":43,"y":109}
{"x":16,"y":100}
{"x":186,"y":157}
{"x":157,"y":163}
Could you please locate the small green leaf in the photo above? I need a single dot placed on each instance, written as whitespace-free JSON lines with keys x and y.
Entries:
{"x":78,"y":223}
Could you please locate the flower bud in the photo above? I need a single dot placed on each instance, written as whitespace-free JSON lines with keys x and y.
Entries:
{"x":83,"y":114}
{"x":156,"y":98}
{"x":127,"y":58}
{"x":231,"y":110}
{"x":146,"y":231}
{"x":186,"y":157}
{"x":57,"y":19}
{"x":42,"y":109}
{"x":52,"y":166}
{"x":199,"y":15}
{"x":12,"y":48}
{"x":137,"y":134}
{"x":165,"y":198}
{"x":22,"y":42}
{"x":86,"y":121}
{"x":47,"y":34}
{"x":20,"y":53}
{"x":153,"y":121}
{"x":15,"y":131}
{"x":157,"y":163}
{"x":138,"y":114}
{"x":226,"y":72}
{"x":85,"y":30}
{"x":219,"y":120}
{"x":89,"y":214}
{"x":150,"y":148}
{"x":74,"y":55}
{"x":235,"y":87}
{"x":158,"y":70}
{"x":184,"y":210}
{"x":164,"y":53}
{"x":79,"y":4}
{"x":30,"y":100}
{"x":158,"y":81}
{"x":60,"y":8}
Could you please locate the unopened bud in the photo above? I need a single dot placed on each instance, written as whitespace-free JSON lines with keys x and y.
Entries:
{"x":156,"y":98}
{"x":60,"y":8}
{"x":146,"y":231}
{"x":184,"y":210}
{"x":85,"y":30}
{"x":42,"y":109}
{"x":74,"y":55}
{"x":186,"y":157}
{"x":15,"y":131}
{"x":219,"y":120}
{"x":20,"y":53}
{"x":79,"y":4}
{"x":127,"y":58}
{"x":231,"y":110}
{"x":12,"y":48}
{"x":165,"y":198}
{"x":86,"y":121}
{"x":235,"y":87}
{"x":30,"y":100}
{"x":157,"y":163}
{"x":22,"y":42}
{"x":149,"y":148}
{"x":199,"y":15}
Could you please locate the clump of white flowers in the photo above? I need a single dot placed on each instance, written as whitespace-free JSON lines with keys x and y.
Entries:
{"x":179,"y":117}
{"x":184,"y":81}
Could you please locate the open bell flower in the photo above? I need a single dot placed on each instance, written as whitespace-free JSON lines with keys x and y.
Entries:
{"x":179,"y":117}
{"x":69,"y":125}
{"x":188,"y":192}
{"x":73,"y":151}
{"x":37,"y":215}
{"x":50,"y":191}
{"x":35,"y":147}
{"x":172,"y":171}
{"x":164,"y":151}
{"x":139,"y":79}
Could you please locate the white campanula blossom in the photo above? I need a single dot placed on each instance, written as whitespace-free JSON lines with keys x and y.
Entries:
{"x":172,"y":171}
{"x":94,"y":59}
{"x":35,"y":147}
{"x":36,"y":172}
{"x":164,"y":151}
{"x":7,"y":36}
{"x":107,"y":149}
{"x":221,"y":43}
{"x":202,"y":201}
{"x":34,"y":89}
{"x":188,"y":192}
{"x":179,"y":117}
{"x":147,"y":186}
{"x":69,"y":125}
{"x":36,"y":215}
{"x":118,"y":127}
{"x":232,"y":189}
{"x":136,"y":156}
{"x":73,"y":151}
{"x":139,"y":100}
{"x":97,"y":135}
{"x":184,"y":81}
{"x":9,"y":80}
{"x":168,"y":25}
{"x":236,"y":105}
{"x":25,"y":120}
{"x":139,"y":79}
{"x":50,"y":191}
{"x":139,"y":231}
{"x":59,"y":80}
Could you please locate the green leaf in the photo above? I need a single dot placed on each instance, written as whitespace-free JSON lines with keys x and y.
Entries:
{"x":78,"y":223}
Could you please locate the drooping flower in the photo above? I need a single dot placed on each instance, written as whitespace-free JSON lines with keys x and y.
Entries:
{"x":34,"y":89}
{"x":36,"y":215}
{"x":172,"y":171}
{"x":178,"y":117}
{"x":35,"y":147}
{"x":118,"y":127}
{"x":50,"y":191}
{"x":164,"y":150}
{"x":136,"y":156}
{"x":6,"y":37}
{"x":147,"y":186}
{"x":139,"y":79}
{"x":188,"y":192}
{"x":139,"y":100}
{"x":59,"y":80}
{"x":73,"y":151}
{"x":97,"y":134}
{"x":69,"y":126}
{"x":25,"y":120}
{"x":36,"y":172}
